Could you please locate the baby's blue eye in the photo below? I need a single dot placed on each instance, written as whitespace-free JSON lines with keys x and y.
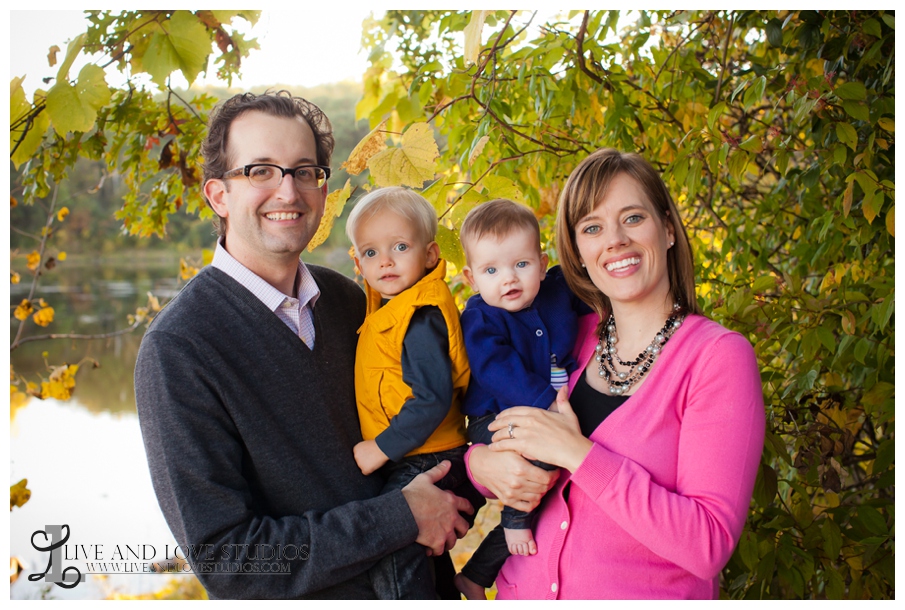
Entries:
{"x":521,"y":264}
{"x":491,"y":270}
{"x":370,"y":253}
{"x":401,"y":247}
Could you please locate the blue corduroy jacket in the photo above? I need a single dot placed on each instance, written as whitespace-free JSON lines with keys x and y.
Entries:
{"x":509,"y":353}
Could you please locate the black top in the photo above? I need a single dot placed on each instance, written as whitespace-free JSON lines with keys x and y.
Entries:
{"x":591,"y":406}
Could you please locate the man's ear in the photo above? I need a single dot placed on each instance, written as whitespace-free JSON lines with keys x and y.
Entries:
{"x":215,"y":191}
{"x":433,"y":254}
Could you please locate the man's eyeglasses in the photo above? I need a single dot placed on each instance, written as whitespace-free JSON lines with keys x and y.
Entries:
{"x":269,"y":176}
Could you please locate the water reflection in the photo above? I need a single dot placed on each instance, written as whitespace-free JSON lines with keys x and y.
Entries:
{"x":84,"y":459}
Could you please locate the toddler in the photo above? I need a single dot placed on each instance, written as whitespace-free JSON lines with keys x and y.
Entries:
{"x":411,"y":368}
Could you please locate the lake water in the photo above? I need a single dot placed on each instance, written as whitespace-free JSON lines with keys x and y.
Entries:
{"x":84,"y":458}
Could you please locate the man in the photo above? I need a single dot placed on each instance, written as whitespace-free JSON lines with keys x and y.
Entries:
{"x":244,"y":385}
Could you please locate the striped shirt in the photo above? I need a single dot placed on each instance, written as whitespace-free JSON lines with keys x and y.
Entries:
{"x":296,"y":312}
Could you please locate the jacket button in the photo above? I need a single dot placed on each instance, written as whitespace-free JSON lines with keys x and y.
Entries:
{"x":553,"y":587}
{"x":539,"y":333}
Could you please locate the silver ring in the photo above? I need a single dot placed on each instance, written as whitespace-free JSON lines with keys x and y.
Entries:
{"x":510,"y":431}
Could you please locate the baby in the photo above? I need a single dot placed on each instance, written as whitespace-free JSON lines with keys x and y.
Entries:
{"x":411,"y":367}
{"x":519,"y":332}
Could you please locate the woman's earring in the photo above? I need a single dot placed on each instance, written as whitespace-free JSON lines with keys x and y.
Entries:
{"x":671,"y":244}
{"x":583,"y":266}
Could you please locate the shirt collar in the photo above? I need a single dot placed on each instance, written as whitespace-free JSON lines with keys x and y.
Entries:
{"x":308,"y":291}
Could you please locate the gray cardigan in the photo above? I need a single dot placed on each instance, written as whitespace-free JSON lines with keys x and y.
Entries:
{"x":249,"y":438}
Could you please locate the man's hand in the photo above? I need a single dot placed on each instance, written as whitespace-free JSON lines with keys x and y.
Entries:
{"x":510,"y":477}
{"x":369,"y":457}
{"x":436,"y":511}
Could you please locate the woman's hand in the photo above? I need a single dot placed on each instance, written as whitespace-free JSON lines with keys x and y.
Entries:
{"x":515,"y":481}
{"x":546,"y":435}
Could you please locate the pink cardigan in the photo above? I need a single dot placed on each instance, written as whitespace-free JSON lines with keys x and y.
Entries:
{"x":658,"y":505}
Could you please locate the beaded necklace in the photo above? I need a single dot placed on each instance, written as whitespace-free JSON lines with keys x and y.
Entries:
{"x":619,"y":382}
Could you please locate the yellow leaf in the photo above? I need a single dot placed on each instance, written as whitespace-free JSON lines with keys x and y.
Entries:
{"x":186,"y":271}
{"x":63,"y":213}
{"x":61,"y":256}
{"x":24,"y":310}
{"x":153,"y":302}
{"x":479,"y":147}
{"x":34,"y":260}
{"x":43,"y":317}
{"x":412,"y":164}
{"x":333,"y":208}
{"x":52,"y":55}
{"x":14,"y":277}
{"x":19,"y":494}
{"x":369,"y":146}
{"x":473,"y":36}
{"x":207,"y":256}
{"x":887,"y":124}
{"x":847,"y":198}
{"x":891,"y":221}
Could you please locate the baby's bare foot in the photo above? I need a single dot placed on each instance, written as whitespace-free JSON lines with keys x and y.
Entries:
{"x":521,"y":542}
{"x":469,"y":588}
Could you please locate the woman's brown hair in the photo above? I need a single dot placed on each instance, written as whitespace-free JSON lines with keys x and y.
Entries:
{"x":585,"y":188}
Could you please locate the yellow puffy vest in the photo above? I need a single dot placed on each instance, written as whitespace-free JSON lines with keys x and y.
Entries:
{"x":379,"y":388}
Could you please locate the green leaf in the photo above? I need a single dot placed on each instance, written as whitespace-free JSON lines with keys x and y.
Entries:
{"x":450,"y":248}
{"x":862,"y":347}
{"x":764,"y":283}
{"x":856,"y":110}
{"x":827,"y":338}
{"x":872,"y":27}
{"x":872,"y":520}
{"x":72,"y":51}
{"x":852,"y":90}
{"x":181,"y":43}
{"x":714,"y":114}
{"x":847,"y":134}
{"x":886,"y":454}
{"x":765,"y":486}
{"x":74,"y":109}
{"x":774,"y":32}
{"x":832,"y":538}
{"x":891,"y":221}
{"x":747,"y":548}
{"x":835,"y":586}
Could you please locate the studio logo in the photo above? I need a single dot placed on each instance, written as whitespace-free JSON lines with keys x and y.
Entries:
{"x":54,"y":571}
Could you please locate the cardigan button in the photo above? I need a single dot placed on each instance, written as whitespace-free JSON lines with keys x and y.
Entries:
{"x":564,"y":525}
{"x":539,"y":333}
{"x":553,"y":587}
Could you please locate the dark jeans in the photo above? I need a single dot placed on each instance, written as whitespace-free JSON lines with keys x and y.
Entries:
{"x":487,"y":560}
{"x":409,"y":572}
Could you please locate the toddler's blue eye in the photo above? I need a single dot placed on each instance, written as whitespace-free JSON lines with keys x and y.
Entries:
{"x":521,"y":264}
{"x":401,"y":247}
{"x":370,"y":253}
{"x":491,"y":270}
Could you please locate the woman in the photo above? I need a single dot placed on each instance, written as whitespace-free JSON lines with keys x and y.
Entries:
{"x":660,"y":440}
